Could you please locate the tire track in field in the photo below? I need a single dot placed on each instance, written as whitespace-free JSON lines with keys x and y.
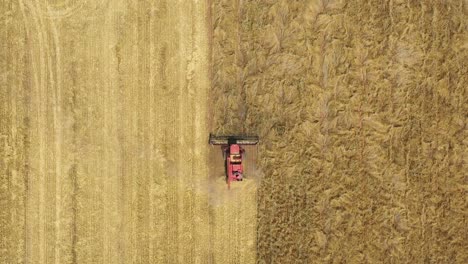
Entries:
{"x":13,"y":135}
{"x":47,"y":70}
{"x":173,"y":199}
{"x":79,"y":8}
{"x":162,"y":162}
{"x":29,"y":221}
{"x":35,"y":241}
{"x":193,"y":149}
{"x":111,"y":179}
{"x":185,"y":147}
{"x":144,"y":125}
{"x":58,"y":121}
{"x":94,"y":139}
{"x":152,"y":143}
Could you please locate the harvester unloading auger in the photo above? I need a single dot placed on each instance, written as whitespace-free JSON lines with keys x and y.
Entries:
{"x":233,"y":153}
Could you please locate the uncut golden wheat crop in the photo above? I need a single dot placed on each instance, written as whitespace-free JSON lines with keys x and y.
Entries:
{"x":361,"y":109}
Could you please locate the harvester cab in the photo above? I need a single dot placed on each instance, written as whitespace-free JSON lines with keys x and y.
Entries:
{"x":233,"y":152}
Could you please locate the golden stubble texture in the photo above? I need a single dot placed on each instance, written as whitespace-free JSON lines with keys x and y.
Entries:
{"x":361,"y":108}
{"x":103,"y":135}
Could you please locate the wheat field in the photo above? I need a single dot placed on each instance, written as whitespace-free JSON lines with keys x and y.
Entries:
{"x":106,"y":107}
{"x":104,"y":132}
{"x":361,"y":108}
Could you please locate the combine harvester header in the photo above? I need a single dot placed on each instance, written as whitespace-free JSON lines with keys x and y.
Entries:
{"x":227,"y":140}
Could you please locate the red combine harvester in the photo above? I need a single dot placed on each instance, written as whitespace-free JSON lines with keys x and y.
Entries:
{"x":233,"y":153}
